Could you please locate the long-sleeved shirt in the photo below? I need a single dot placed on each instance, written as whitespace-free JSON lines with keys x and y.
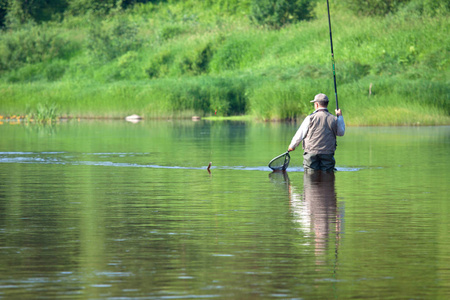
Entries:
{"x":303,"y":131}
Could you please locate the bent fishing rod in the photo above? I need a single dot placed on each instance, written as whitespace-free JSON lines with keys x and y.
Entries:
{"x":332,"y":55}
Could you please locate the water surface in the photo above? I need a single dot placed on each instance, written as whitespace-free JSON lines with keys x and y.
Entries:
{"x":114,"y":210}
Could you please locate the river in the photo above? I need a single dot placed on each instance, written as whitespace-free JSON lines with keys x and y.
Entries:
{"x":115,"y":210}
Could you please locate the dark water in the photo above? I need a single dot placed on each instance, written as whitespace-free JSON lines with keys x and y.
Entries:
{"x":113,"y":210}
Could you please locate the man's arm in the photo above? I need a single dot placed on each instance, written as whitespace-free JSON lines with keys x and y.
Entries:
{"x":340,"y":123}
{"x":300,"y":134}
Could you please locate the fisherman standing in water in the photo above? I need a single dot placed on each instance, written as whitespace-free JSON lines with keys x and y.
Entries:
{"x":318,"y":133}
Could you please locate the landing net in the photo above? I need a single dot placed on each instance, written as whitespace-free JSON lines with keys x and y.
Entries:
{"x":281,"y":162}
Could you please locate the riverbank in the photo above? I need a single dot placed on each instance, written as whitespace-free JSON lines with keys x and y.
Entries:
{"x":173,"y":60}
{"x":44,"y":102}
{"x":411,"y":119}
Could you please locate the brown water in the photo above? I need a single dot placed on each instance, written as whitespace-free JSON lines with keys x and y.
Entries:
{"x":113,"y":210}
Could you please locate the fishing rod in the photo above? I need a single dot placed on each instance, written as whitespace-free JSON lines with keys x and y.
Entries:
{"x":332,"y":56}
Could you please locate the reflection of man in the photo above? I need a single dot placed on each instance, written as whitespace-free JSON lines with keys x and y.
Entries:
{"x":318,"y":133}
{"x":316,"y":211}
{"x":320,"y":197}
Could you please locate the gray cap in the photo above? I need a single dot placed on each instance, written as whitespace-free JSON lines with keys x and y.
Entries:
{"x":320,"y":98}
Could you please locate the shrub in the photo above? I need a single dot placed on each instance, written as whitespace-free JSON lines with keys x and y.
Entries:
{"x":33,"y":45}
{"x":170,"y":31}
{"x":46,"y":71}
{"x":198,"y":62}
{"x":18,"y":12}
{"x":277,"y":13}
{"x":111,"y":39}
{"x":426,"y":7}
{"x":374,"y":7}
{"x":159,"y":65}
{"x":3,"y":11}
{"x":81,"y":7}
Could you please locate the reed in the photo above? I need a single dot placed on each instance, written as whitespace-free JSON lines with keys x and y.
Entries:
{"x":45,"y":113}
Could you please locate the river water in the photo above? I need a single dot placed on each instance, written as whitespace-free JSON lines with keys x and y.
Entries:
{"x":115,"y":210}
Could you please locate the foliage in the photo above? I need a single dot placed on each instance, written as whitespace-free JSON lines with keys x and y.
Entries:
{"x":110,"y":39}
{"x":426,"y":7}
{"x":170,"y":31}
{"x":191,"y":62}
{"x":373,"y":7}
{"x":81,"y":7}
{"x":278,"y":13}
{"x":16,"y":12}
{"x":177,"y":58}
{"x":49,"y":71}
{"x":23,"y":11}
{"x":198,"y":62}
{"x":3,"y":12}
{"x":31,"y":45}
{"x":384,"y":7}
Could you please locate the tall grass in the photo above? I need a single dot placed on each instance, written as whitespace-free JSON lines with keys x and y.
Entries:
{"x":177,"y":60}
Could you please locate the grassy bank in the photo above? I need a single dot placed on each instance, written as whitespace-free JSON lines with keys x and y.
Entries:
{"x":176,"y":60}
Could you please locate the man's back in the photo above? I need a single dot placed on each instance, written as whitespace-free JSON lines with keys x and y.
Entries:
{"x":321,"y":136}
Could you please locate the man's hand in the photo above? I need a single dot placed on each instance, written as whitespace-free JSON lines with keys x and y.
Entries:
{"x":338,"y":112}
{"x":290,"y":149}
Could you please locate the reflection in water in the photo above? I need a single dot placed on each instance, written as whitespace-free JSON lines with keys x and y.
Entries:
{"x":128,"y":211}
{"x":314,"y":210}
{"x":320,"y":200}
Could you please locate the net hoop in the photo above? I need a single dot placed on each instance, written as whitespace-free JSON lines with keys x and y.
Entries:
{"x":279,"y":167}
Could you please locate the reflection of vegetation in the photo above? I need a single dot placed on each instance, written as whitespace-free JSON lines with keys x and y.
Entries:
{"x":42,"y":129}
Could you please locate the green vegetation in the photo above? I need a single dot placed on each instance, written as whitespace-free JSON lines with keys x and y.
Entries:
{"x":176,"y":59}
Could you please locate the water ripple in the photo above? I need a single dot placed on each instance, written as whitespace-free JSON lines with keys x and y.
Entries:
{"x":64,"y":158}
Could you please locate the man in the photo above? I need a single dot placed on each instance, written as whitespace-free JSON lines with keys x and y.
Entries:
{"x":318,"y":133}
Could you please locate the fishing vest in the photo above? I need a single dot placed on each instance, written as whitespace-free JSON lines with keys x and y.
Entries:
{"x":321,"y":135}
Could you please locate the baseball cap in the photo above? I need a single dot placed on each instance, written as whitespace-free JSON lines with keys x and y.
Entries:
{"x":320,"y":98}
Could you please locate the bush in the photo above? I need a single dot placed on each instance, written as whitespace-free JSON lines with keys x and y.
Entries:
{"x":373,"y":7}
{"x":198,"y":62}
{"x":278,"y":13}
{"x":14,"y":13}
{"x":426,"y":7}
{"x":159,"y":65}
{"x":81,"y":7}
{"x":384,"y":7}
{"x":192,"y":61}
{"x":3,"y":11}
{"x":47,"y":71}
{"x":33,"y":45}
{"x":172,"y":30}
{"x":111,"y":39}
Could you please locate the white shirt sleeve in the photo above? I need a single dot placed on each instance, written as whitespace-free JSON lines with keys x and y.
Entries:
{"x":300,"y":134}
{"x":340,"y":126}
